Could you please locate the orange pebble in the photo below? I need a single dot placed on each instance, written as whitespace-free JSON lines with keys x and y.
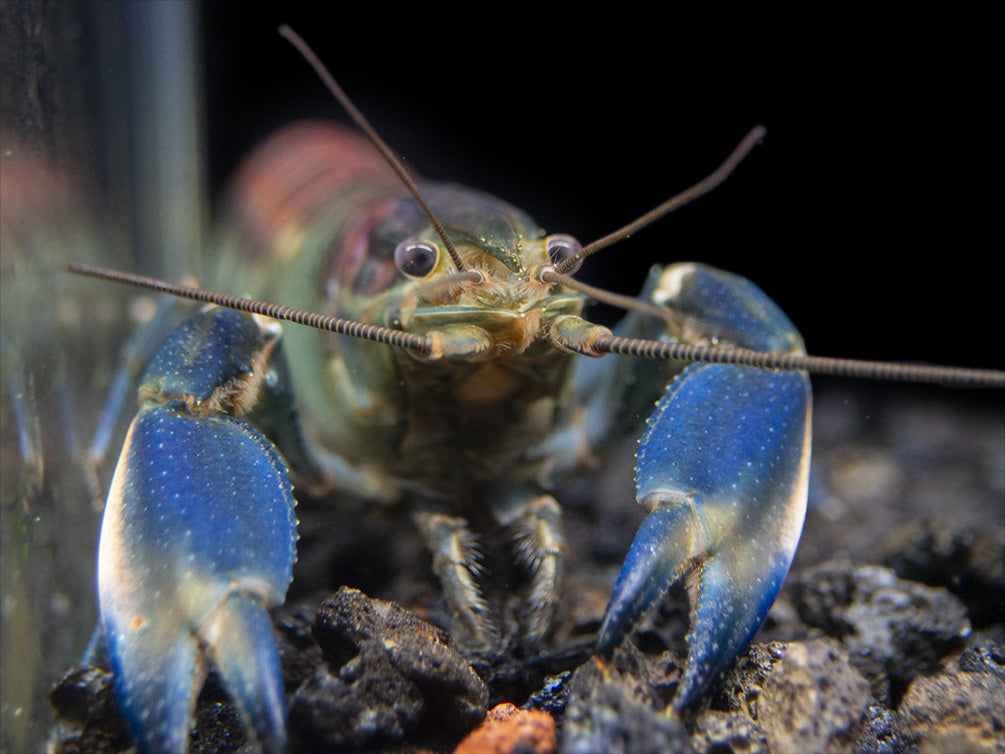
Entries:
{"x":506,"y":728}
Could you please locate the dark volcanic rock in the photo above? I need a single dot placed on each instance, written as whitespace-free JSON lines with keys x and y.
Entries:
{"x":800,"y":696}
{"x":880,"y":732}
{"x":961,"y":708}
{"x":366,"y":674}
{"x":298,"y":651}
{"x":620,"y":706}
{"x":728,"y":733}
{"x":87,"y":715}
{"x":742,"y":686}
{"x":88,"y":719}
{"x":552,"y":695}
{"x":813,"y":700}
{"x":894,"y":630}
{"x":968,"y":562}
{"x":388,"y":678}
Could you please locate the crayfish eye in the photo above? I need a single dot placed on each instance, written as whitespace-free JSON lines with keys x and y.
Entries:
{"x":416,"y":258}
{"x":562,"y":246}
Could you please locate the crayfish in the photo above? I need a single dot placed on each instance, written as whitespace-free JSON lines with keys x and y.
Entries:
{"x":466,"y":394}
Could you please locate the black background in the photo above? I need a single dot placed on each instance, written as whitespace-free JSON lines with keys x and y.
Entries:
{"x":869,"y":212}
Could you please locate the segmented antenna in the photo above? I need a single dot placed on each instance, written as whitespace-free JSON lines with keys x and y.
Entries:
{"x":350,"y":327}
{"x":856,"y":368}
{"x":364,"y":125}
{"x":605,"y":343}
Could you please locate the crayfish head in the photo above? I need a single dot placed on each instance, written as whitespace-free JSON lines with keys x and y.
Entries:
{"x":496,"y":305}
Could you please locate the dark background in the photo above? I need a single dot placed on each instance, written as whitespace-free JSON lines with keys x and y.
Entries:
{"x":869,"y":212}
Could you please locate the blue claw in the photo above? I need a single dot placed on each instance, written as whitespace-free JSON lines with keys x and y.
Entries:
{"x":723,"y":468}
{"x":198,"y":539}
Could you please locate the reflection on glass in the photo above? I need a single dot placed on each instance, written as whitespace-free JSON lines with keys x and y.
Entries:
{"x":99,"y":162}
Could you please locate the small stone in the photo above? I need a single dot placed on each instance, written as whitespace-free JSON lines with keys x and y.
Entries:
{"x":729,"y":733}
{"x":508,"y":730}
{"x":552,"y":695}
{"x":968,"y":562}
{"x":985,"y":658}
{"x":86,"y":714}
{"x":614,"y":706}
{"x":880,"y":732}
{"x":959,"y":709}
{"x":894,"y":630}
{"x":813,"y":700}
{"x":741,"y":687}
{"x":389,"y":678}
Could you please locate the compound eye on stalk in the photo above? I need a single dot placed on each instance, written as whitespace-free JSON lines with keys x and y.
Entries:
{"x":416,"y":258}
{"x":562,"y":246}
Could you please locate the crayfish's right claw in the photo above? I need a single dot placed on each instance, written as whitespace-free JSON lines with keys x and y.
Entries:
{"x":724,"y":469}
{"x":198,"y":540}
{"x":728,"y":499}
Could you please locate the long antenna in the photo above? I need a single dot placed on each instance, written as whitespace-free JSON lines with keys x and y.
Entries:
{"x":603,"y":344}
{"x":350,"y":327}
{"x":775,"y":360}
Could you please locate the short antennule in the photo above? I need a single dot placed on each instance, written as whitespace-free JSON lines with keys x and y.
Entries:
{"x":703,"y":186}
